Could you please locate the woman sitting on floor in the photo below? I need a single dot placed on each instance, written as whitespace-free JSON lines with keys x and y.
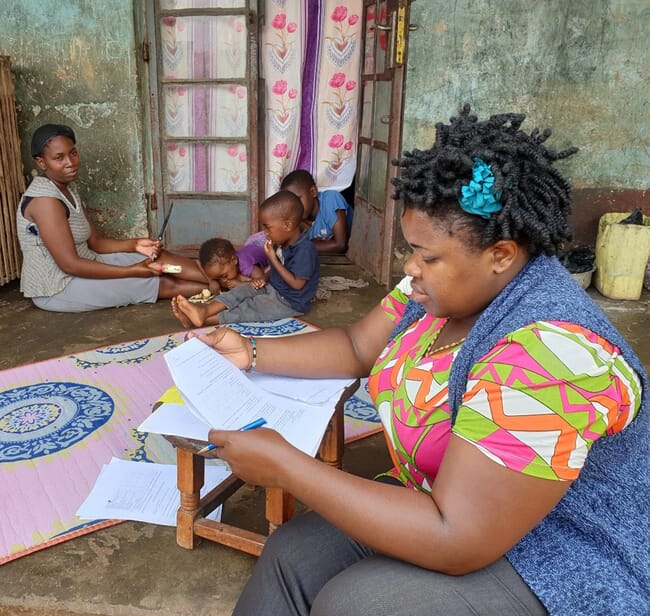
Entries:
{"x":516,"y":415}
{"x":67,"y":265}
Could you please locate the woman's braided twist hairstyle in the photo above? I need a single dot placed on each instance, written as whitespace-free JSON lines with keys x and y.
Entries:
{"x":536,"y":198}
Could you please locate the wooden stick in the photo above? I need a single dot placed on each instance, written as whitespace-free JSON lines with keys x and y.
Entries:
{"x":12,"y":181}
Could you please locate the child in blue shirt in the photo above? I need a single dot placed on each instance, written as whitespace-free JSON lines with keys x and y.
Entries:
{"x":293,"y":278}
{"x":326,"y":212}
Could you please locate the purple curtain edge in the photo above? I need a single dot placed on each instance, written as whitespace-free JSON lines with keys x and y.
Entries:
{"x":314,"y":18}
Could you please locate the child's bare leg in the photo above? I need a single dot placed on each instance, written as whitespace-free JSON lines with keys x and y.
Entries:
{"x":200,"y":314}
{"x":171,"y":286}
{"x":185,"y":322}
{"x":192,"y":270}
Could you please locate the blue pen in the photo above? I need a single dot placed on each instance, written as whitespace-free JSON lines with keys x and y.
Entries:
{"x":258,"y":423}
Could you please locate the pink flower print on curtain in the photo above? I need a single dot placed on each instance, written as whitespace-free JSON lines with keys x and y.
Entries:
{"x":188,"y":49}
{"x":179,"y":168}
{"x":282,"y":111}
{"x":280,"y":164}
{"x":228,"y":168}
{"x":305,"y":43}
{"x":231,"y":46}
{"x":176,"y":106}
{"x":342,"y":44}
{"x":338,"y":92}
{"x":172,"y":53}
{"x":282,"y":45}
{"x":282,"y":58}
{"x":340,"y":151}
{"x":230,"y":118}
{"x":197,"y":48}
{"x":340,"y":107}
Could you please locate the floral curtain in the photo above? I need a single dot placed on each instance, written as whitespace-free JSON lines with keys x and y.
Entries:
{"x":311,"y":55}
{"x":311,"y":52}
{"x":195,"y":51}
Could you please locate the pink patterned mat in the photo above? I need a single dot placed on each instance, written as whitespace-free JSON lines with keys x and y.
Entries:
{"x":62,"y":419}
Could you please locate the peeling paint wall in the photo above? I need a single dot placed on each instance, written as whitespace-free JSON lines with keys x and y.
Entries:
{"x":74,"y":63}
{"x":577,"y":66}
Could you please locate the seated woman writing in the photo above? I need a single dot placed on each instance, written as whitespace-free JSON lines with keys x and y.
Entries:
{"x":516,"y":415}
{"x":67,"y":265}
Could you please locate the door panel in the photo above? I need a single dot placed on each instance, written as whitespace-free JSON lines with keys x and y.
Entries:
{"x":206,"y":167}
{"x":209,"y":103}
{"x":381,"y":112}
{"x":203,"y":83}
{"x":377,"y":186}
{"x":375,"y":213}
{"x":198,"y":222}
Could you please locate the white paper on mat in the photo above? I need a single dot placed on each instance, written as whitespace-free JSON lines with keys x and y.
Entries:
{"x":142,"y":491}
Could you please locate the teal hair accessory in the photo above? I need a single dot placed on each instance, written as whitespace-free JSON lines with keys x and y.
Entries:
{"x":478,"y":196}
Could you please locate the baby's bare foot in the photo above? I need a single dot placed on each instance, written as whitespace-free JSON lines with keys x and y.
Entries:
{"x":193,"y":312}
{"x":185,"y":322}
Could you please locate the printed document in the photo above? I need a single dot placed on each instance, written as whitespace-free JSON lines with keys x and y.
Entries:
{"x":220,"y":395}
{"x":143,"y":491}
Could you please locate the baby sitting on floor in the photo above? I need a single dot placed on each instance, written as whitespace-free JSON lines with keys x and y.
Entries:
{"x":293,"y":274}
{"x":231,"y":268}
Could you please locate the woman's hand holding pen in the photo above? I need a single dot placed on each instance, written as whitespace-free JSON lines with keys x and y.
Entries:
{"x":261,"y":457}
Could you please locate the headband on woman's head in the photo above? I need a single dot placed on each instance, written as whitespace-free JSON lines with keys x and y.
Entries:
{"x":43,"y":134}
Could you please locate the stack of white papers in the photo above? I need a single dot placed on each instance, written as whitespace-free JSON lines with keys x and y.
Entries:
{"x":219,"y":395}
{"x":142,"y":491}
{"x":311,"y":391}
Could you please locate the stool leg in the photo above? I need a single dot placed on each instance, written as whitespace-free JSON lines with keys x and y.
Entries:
{"x":280,"y":507}
{"x":331,"y":447}
{"x":190,"y":479}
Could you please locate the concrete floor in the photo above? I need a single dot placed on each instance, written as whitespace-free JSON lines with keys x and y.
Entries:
{"x":136,"y":569}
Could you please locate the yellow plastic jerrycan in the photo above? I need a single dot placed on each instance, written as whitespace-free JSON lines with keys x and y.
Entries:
{"x":622,"y":253}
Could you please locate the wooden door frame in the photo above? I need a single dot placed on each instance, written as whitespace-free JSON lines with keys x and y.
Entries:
{"x":158,"y":202}
{"x":391,"y":221}
{"x":395,"y":67}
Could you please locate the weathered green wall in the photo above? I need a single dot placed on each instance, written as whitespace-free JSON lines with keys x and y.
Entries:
{"x":577,"y":66}
{"x":74,"y":63}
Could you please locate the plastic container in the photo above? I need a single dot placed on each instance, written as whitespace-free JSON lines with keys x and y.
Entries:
{"x":583,"y":278}
{"x":622,"y":253}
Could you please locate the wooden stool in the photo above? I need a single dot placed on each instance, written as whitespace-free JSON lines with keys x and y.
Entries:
{"x":190,"y":518}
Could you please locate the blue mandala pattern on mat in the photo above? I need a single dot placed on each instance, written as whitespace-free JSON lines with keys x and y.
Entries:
{"x":282,"y":327}
{"x":360,"y":406}
{"x":139,"y":453}
{"x":125,"y":353}
{"x":356,"y":408}
{"x":38,"y":420}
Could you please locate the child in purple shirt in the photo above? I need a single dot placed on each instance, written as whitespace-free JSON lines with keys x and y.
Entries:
{"x":232,"y":268}
{"x":292,"y":281}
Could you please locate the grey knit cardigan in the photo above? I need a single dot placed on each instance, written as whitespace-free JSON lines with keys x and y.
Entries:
{"x":590,"y":555}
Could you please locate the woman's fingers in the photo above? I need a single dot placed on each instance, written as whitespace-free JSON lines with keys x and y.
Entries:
{"x":256,"y":456}
{"x":213,"y":338}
